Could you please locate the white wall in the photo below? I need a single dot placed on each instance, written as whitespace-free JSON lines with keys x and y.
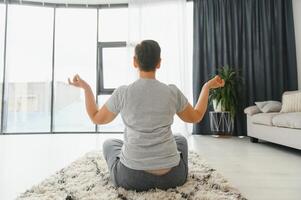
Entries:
{"x":297,"y":19}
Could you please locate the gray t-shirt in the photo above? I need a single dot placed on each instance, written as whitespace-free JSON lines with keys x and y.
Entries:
{"x":147,"y":108}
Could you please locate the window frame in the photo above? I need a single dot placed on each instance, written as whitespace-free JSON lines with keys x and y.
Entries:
{"x":3,"y":117}
{"x":101,"y":90}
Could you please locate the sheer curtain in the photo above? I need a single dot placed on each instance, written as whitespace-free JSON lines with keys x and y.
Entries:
{"x":165,"y":22}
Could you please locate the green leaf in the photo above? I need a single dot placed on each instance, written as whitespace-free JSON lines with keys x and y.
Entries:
{"x":228,"y":95}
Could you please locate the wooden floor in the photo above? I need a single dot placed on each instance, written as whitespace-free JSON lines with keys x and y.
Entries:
{"x":259,"y":171}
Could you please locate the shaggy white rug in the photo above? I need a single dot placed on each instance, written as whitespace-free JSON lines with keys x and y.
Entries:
{"x":88,"y":179}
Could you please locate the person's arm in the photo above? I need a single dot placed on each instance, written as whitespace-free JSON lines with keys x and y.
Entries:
{"x":97,"y":116}
{"x":196,"y":114}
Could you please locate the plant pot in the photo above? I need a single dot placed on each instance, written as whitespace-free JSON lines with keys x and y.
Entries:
{"x":217,"y":107}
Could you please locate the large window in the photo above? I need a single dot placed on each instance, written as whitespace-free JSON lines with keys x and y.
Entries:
{"x":75,"y":53}
{"x":2,"y":40}
{"x":44,"y":47}
{"x":28,"y":69}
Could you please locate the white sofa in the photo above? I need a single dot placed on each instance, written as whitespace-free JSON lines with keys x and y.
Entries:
{"x":275,"y":127}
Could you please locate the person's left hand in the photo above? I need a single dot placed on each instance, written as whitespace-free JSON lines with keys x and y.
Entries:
{"x":216,"y":82}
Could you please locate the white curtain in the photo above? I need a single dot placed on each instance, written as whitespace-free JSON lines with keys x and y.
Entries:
{"x":165,"y":22}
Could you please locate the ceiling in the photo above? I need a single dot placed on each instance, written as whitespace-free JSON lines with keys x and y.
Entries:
{"x":84,"y":2}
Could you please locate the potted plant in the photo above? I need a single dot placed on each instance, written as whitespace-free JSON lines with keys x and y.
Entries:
{"x":226,"y":98}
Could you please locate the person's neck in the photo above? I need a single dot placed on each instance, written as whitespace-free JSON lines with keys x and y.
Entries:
{"x":147,"y":75}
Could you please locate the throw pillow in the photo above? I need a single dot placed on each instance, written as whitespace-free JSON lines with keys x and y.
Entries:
{"x":251,"y":110}
{"x":272,"y":106}
{"x":260,"y":104}
{"x":269,"y":106}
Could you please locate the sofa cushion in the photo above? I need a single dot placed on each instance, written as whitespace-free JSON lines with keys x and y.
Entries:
{"x":264,"y":118}
{"x":288,"y":120}
{"x":291,"y":102}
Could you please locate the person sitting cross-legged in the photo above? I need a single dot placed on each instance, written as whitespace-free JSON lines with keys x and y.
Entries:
{"x":150,"y":156}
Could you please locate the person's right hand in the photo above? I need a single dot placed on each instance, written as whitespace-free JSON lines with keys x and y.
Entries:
{"x":216,"y":82}
{"x":78,"y":82}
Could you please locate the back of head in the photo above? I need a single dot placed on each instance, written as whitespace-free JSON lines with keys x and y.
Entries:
{"x":148,"y":55}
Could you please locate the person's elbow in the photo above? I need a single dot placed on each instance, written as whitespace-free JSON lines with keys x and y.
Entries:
{"x":191,"y":115}
{"x":197,"y":117}
{"x":99,"y":120}
{"x":103,"y":116}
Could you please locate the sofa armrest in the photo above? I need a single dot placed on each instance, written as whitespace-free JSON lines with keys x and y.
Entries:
{"x":251,"y":110}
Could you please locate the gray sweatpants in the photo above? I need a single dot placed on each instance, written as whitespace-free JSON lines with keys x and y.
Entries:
{"x":141,"y":180}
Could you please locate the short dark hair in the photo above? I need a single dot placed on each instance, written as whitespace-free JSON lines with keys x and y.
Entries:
{"x":148,"y":55}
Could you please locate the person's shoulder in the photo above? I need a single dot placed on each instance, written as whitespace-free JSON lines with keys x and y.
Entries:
{"x":173,"y":87}
{"x":174,"y":90}
{"x":121,"y":89}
